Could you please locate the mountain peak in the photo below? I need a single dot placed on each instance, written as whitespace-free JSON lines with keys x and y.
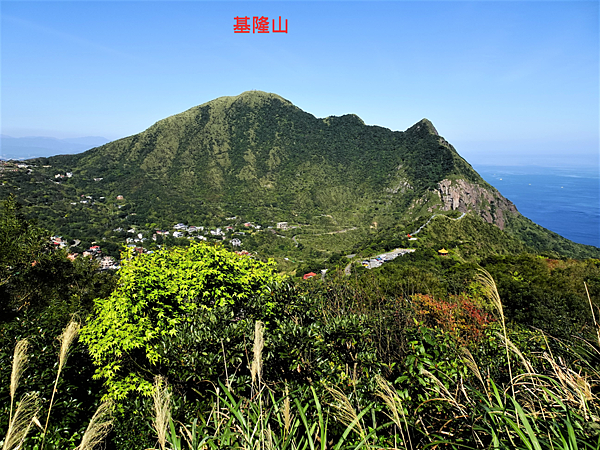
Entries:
{"x":250,"y":98}
{"x":254,"y":94}
{"x":257,"y":156}
{"x":424,"y":125}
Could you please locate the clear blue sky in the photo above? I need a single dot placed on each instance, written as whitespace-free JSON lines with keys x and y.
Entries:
{"x":496,"y":78}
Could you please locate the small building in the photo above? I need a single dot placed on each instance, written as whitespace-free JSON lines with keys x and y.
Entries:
{"x":309,"y":275}
{"x":119,"y":197}
{"x":107,"y":263}
{"x":282,"y":225}
{"x":443,"y":252}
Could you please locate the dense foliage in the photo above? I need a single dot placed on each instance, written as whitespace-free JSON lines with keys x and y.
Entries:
{"x":41,"y":292}
{"x":425,"y":323}
{"x":135,"y":332}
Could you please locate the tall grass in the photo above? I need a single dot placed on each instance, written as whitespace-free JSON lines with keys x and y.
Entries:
{"x":19,"y":362}
{"x":25,"y":416}
{"x":98,"y":428}
{"x":491,"y":291}
{"x":298,"y":420}
{"x":556,"y":408}
{"x":162,"y":410}
{"x":544,"y":404}
{"x":21,"y":422}
{"x":66,"y":339}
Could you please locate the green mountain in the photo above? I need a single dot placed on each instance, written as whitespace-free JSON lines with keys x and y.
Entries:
{"x":258,"y":157}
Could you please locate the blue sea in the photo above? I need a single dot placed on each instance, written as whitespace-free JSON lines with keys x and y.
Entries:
{"x":564,"y":200}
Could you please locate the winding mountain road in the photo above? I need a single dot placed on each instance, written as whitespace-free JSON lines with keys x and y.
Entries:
{"x":322,"y":234}
{"x":431,"y":218}
{"x":348,"y":268}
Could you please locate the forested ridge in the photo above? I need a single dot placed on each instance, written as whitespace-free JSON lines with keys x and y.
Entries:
{"x":259,"y":158}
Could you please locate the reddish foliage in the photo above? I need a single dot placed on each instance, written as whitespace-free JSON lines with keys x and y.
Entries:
{"x":457,"y":314}
{"x":553,"y":263}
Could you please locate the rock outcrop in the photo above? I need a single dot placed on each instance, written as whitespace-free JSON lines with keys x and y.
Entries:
{"x":465,"y":196}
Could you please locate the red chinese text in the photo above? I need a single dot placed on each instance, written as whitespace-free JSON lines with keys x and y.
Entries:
{"x":241,"y":25}
{"x":260,"y":24}
{"x":279,"y":30}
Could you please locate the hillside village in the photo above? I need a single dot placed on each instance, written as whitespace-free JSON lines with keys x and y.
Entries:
{"x":138,"y":240}
{"x":146,"y":238}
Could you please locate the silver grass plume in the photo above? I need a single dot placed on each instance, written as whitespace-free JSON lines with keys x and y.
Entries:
{"x":66,"y":340}
{"x":257,"y":349}
{"x":469,"y":360}
{"x":443,"y":391}
{"x":517,"y":352}
{"x":347,"y":413}
{"x":162,"y":409}
{"x":491,"y":292}
{"x":98,"y":427}
{"x":21,"y":422}
{"x":287,"y":413}
{"x":391,"y":398}
{"x":19,"y":362}
{"x":574,"y":387}
{"x":592,"y":309}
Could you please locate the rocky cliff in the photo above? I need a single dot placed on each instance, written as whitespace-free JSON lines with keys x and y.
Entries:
{"x":466,"y":196}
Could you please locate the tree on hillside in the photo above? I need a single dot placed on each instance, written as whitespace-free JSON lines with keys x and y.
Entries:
{"x":23,"y":244}
{"x":25,"y":254}
{"x":170,"y":309}
{"x":33,"y":274}
{"x":188,"y":314}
